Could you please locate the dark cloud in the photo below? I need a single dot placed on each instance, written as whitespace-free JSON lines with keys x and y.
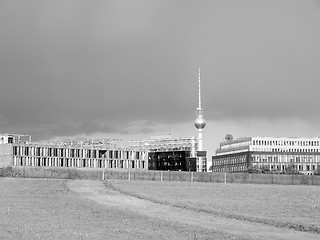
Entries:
{"x":78,"y":67}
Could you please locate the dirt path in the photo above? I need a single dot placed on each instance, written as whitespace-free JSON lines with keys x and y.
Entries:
{"x":97,"y":191}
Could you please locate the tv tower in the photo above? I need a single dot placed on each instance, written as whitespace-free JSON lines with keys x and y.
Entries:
{"x":200,"y":123}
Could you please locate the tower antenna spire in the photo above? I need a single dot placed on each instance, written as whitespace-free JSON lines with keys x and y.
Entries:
{"x":199,"y":77}
{"x":199,"y":109}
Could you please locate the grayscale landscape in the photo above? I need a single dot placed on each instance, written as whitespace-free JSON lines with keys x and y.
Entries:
{"x":159,"y":119}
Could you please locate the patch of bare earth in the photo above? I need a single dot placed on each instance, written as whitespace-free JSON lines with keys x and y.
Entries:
{"x":98,"y":192}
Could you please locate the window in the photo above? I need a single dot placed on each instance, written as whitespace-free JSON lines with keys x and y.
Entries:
{"x":61,"y":152}
{"x":38,"y":151}
{"x":55,"y":152}
{"x":26,"y":151}
{"x":50,"y":152}
{"x":15,"y":150}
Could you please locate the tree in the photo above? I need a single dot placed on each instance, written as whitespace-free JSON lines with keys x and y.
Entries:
{"x":317,"y":171}
{"x":265,"y":169}
{"x":254,"y":169}
{"x":291,"y":169}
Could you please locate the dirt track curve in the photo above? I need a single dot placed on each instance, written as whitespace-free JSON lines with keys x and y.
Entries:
{"x":98,"y":192}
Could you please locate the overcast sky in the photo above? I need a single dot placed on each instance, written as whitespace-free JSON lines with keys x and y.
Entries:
{"x":128,"y":69}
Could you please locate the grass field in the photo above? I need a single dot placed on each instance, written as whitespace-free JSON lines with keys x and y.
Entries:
{"x":296,"y":207}
{"x":47,"y":209}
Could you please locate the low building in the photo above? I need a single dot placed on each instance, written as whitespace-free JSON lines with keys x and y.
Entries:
{"x":273,"y":153}
{"x":81,"y":153}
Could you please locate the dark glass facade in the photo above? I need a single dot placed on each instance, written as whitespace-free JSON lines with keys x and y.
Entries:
{"x":171,"y":161}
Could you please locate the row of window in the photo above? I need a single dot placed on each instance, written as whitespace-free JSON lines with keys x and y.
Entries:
{"x":74,"y":162}
{"x":279,"y":167}
{"x":275,"y":167}
{"x":74,"y":153}
{"x":229,"y":160}
{"x":285,"y":150}
{"x":285,"y":143}
{"x":265,"y":159}
{"x":235,"y":168}
{"x":160,"y":149}
{"x":285,"y":158}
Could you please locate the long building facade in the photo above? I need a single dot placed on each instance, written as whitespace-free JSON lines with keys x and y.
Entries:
{"x":80,"y":154}
{"x":157,"y":153}
{"x":274,"y":153}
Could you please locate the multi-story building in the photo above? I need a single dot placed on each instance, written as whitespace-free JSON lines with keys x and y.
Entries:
{"x":90,"y":153}
{"x":167,"y":153}
{"x":275,"y":153}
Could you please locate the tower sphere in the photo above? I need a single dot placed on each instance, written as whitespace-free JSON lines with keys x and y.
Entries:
{"x":200,"y":123}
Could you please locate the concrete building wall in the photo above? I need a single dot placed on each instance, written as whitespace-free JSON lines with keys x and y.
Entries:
{"x":6,"y":158}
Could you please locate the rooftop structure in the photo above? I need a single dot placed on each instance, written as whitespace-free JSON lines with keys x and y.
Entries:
{"x":87,"y":142}
{"x":160,"y":143}
{"x":14,"y":138}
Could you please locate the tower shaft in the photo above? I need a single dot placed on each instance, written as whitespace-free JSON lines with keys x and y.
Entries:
{"x":200,"y":146}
